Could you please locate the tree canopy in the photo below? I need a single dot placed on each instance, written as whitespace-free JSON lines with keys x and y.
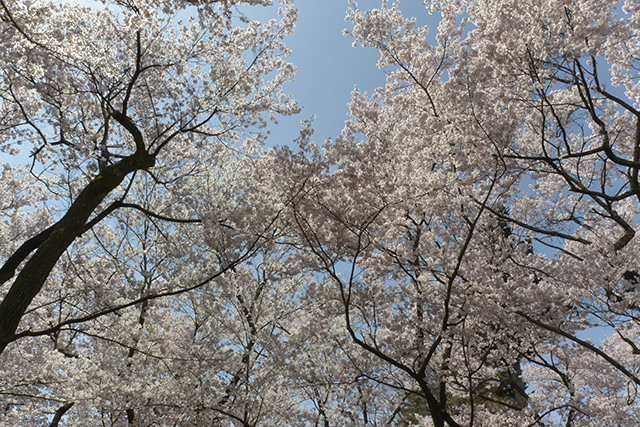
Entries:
{"x":442,"y":262}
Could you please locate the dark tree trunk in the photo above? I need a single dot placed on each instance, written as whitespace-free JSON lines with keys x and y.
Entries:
{"x":31,"y":278}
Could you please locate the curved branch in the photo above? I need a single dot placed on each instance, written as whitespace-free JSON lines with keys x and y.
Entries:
{"x":60,"y":413}
{"x":536,"y":229}
{"x":582,"y":343}
{"x":111,"y":310}
{"x":148,"y":213}
{"x":128,"y":124}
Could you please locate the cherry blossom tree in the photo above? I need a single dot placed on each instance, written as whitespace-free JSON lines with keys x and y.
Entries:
{"x":126,"y":221}
{"x":123,"y":90}
{"x":477,"y":217}
{"x":441,"y":263}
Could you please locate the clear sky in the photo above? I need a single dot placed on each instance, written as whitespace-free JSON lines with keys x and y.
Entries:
{"x":329,"y":67}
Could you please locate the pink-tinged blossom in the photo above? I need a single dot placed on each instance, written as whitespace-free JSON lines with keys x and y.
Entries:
{"x":477,"y":218}
{"x":445,"y":261}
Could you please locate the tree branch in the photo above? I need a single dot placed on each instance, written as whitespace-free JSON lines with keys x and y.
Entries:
{"x":60,"y":413}
{"x":582,"y":343}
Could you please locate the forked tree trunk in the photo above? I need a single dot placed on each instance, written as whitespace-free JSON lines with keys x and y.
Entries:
{"x":32,"y":276}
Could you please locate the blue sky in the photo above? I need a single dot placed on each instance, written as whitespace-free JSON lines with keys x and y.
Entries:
{"x":329,"y":67}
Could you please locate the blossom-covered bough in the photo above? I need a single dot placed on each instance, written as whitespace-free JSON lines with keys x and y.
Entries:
{"x":133,"y":211}
{"x":444,"y":262}
{"x":478,"y":215}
